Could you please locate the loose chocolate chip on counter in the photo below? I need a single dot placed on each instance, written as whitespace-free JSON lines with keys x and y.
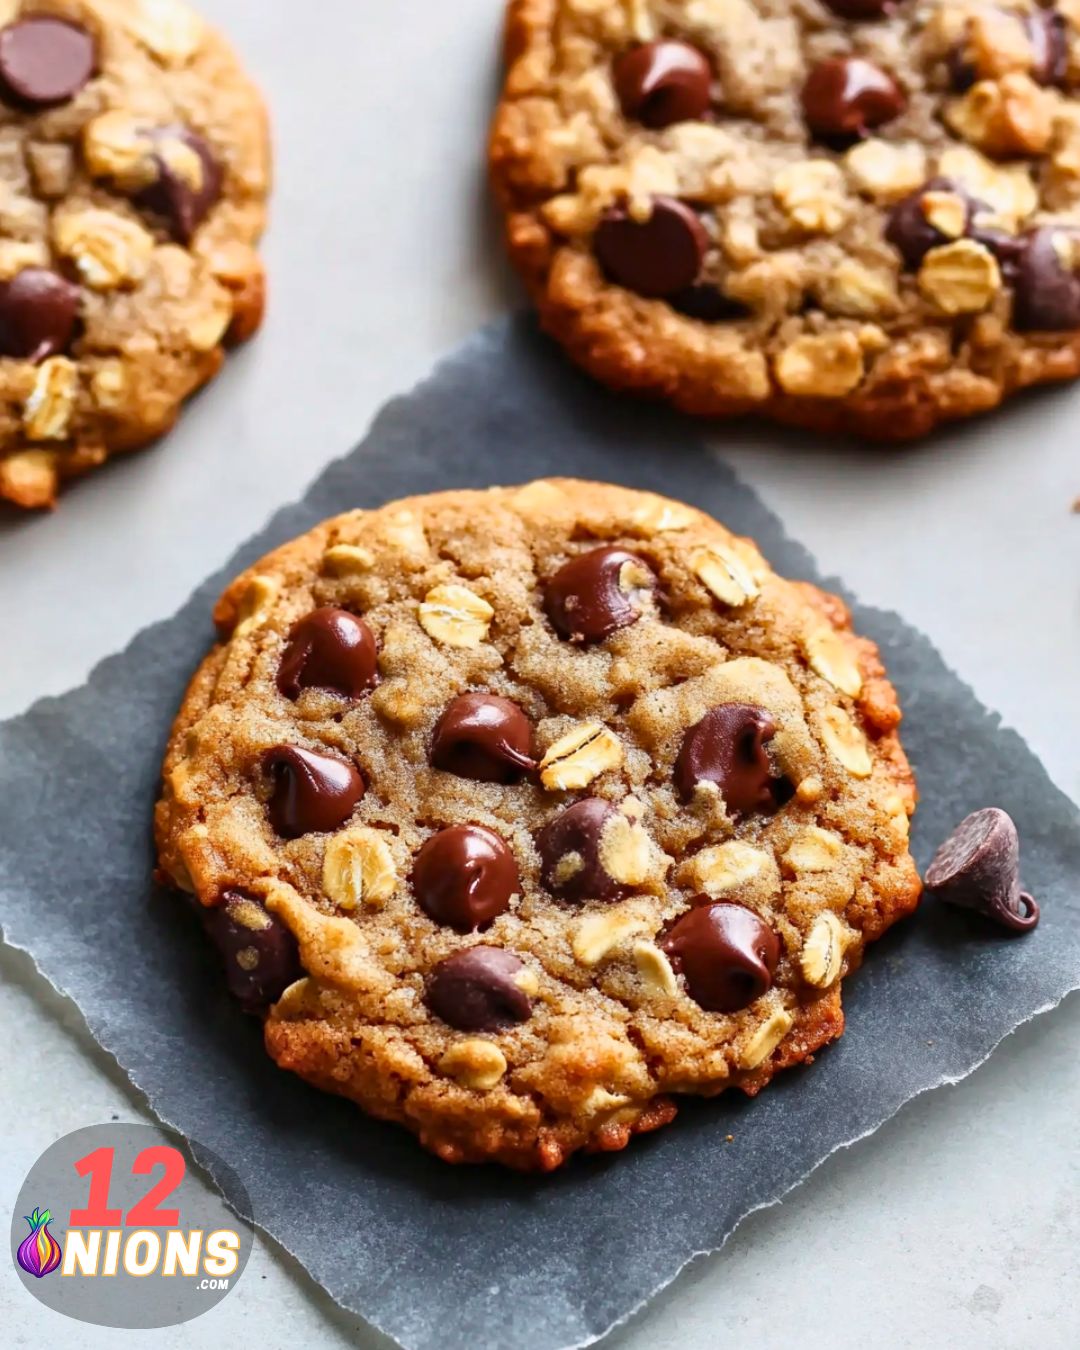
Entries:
{"x":846,"y":96}
{"x":657,"y":257}
{"x":727,"y":748}
{"x":478,"y":990}
{"x":726,"y":954}
{"x":978,"y":867}
{"x":329,"y":649}
{"x":1047,"y":286}
{"x":313,"y":793}
{"x":571,"y":853}
{"x":861,"y":9}
{"x":259,"y":952}
{"x":38,"y":309}
{"x":483,"y":737}
{"x":660,"y":83}
{"x":464,"y":877}
{"x":599,"y":592}
{"x":1049,"y":46}
{"x":909,"y":229}
{"x":44,"y":60}
{"x":188,"y":181}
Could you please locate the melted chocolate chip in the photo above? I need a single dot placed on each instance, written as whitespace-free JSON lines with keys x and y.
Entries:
{"x":599,"y":592}
{"x":259,"y":952}
{"x":44,"y":61}
{"x":313,"y":793}
{"x":708,"y":303}
{"x":187,"y":185}
{"x":464,"y":877}
{"x":660,"y":83}
{"x":571,"y":853}
{"x":909,"y":230}
{"x":978,"y":867}
{"x":861,"y":9}
{"x":657,"y":257}
{"x":846,"y":96}
{"x":483,"y":737}
{"x":1047,"y":288}
{"x":477,"y":990}
{"x":726,"y":954}
{"x":1049,"y":46}
{"x":727,"y":747}
{"x":329,"y":649}
{"x":37,"y":314}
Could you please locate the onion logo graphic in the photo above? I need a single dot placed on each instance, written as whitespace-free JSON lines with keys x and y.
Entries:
{"x":39,"y":1252}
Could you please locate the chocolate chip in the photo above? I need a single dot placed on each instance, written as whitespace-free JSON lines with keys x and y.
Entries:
{"x":570,"y":849}
{"x":37,"y":314}
{"x":908,"y":229}
{"x":846,"y":96}
{"x":663,"y":82}
{"x":45,"y":60}
{"x":861,"y":9}
{"x":1049,"y":46}
{"x":726,"y":954}
{"x":1047,"y":288}
{"x":329,"y":649}
{"x":657,"y":257}
{"x":483,"y":737}
{"x":978,"y":867}
{"x":477,"y":990}
{"x":259,"y":952}
{"x":464,"y":877}
{"x":313,"y":793}
{"x":727,"y":747}
{"x":599,"y":592}
{"x":187,"y":185}
{"x":708,"y":303}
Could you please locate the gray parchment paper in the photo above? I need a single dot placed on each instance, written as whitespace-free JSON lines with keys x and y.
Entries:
{"x":474,"y":1257}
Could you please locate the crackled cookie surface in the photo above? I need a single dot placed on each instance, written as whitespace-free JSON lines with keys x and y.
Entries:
{"x":134,"y":170}
{"x":844,"y":214}
{"x":516,"y":812}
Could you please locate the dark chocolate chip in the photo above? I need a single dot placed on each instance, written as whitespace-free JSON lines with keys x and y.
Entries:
{"x":1049,"y":46}
{"x":978,"y":867}
{"x":478,"y":990}
{"x":464,"y":877}
{"x":861,"y":9}
{"x":45,"y":60}
{"x":727,"y":747}
{"x":483,"y":737}
{"x":329,"y":649}
{"x":312,"y":793}
{"x":660,"y":83}
{"x":657,"y":257}
{"x":708,"y":303}
{"x":571,"y":853}
{"x":1047,"y":288}
{"x":846,"y":96}
{"x":599,"y":592}
{"x":259,"y":952}
{"x":908,"y":229}
{"x":186,"y":186}
{"x":726,"y":954}
{"x":38,"y":309}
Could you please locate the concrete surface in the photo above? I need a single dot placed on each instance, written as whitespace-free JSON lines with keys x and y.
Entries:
{"x":957,"y":1225}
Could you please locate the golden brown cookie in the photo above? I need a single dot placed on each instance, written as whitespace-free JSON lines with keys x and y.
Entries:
{"x":851,"y":215}
{"x":134,"y":171}
{"x":517,"y":812}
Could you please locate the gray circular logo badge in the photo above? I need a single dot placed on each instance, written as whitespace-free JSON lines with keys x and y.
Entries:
{"x":111,"y":1228}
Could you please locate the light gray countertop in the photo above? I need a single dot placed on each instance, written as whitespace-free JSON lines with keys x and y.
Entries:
{"x":958,"y":1223}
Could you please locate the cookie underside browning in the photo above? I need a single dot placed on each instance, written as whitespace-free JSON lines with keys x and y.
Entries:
{"x":797,"y":305}
{"x":577,"y":1018}
{"x":135,"y":185}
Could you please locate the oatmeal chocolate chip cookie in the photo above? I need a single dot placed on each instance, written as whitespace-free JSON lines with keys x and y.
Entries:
{"x":515,"y":813}
{"x":134,"y":171}
{"x":850,"y":215}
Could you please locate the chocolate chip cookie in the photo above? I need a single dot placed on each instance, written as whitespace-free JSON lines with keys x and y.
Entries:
{"x":134,"y":170}
{"x":515,"y":813}
{"x":853,"y":215}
